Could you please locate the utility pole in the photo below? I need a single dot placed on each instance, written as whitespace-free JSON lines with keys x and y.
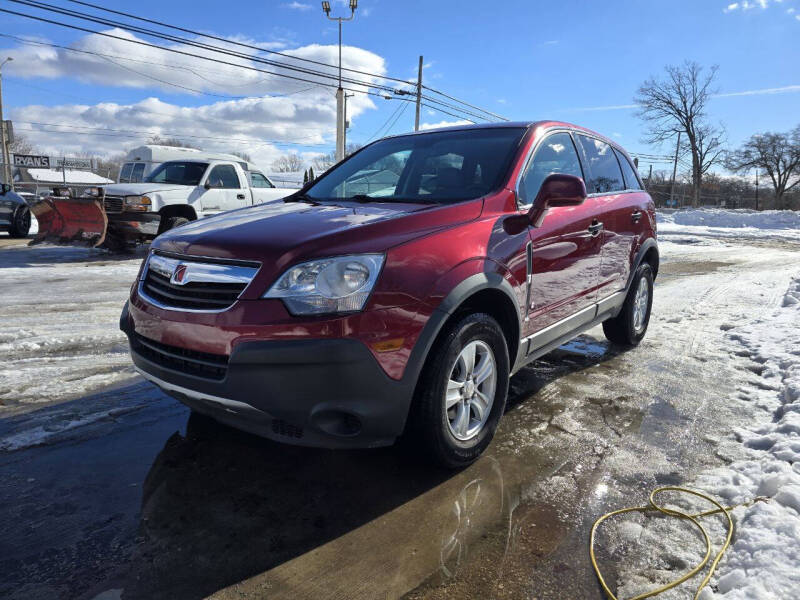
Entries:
{"x":756,"y":189}
{"x":340,"y":100}
{"x":419,"y":94}
{"x":674,"y":170}
{"x":346,"y":122}
{"x":4,"y":134}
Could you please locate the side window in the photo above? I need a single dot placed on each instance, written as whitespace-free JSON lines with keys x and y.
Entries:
{"x":555,"y":154}
{"x":631,"y":180}
{"x":138,"y":173}
{"x":224,"y":176}
{"x":603,"y":172}
{"x":259,"y":181}
{"x":125,"y":174}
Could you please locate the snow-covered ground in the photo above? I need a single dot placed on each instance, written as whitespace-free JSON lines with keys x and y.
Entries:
{"x":742,"y":224}
{"x":763,"y":562}
{"x":59,"y":315}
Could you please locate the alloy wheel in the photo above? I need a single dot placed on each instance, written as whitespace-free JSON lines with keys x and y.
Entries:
{"x":470,"y":390}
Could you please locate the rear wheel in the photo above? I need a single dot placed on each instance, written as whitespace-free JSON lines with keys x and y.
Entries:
{"x":630,"y":325}
{"x":20,"y":223}
{"x":462,"y":393}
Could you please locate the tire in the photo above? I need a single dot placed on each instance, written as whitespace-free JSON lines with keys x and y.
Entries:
{"x":440,"y":433}
{"x":172,"y":223}
{"x":630,"y":325}
{"x":20,"y":222}
{"x":115,"y":243}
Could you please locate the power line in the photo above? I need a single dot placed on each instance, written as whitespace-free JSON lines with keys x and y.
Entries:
{"x":135,"y":133}
{"x":464,"y":103}
{"x":242,"y":44}
{"x":75,"y":14}
{"x":200,"y":45}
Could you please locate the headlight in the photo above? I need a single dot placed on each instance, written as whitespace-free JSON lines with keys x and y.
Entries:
{"x":139,"y":203}
{"x":328,"y":285}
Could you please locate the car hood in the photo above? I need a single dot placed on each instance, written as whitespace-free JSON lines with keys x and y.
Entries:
{"x":284,"y":233}
{"x":137,"y":189}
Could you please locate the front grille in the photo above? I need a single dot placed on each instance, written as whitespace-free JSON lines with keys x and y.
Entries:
{"x":193,"y":295}
{"x":190,"y":362}
{"x":113,"y":204}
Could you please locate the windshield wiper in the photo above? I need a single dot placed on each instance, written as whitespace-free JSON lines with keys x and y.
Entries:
{"x":300,"y":198}
{"x":363,"y":198}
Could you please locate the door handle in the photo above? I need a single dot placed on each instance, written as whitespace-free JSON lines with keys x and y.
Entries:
{"x":636,"y":215}
{"x":240,"y":196}
{"x":595,"y":228}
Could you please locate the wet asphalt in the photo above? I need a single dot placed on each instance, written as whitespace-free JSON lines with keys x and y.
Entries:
{"x":152,"y":502}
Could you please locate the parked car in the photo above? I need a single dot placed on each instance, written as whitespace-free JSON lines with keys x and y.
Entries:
{"x":344,"y":318}
{"x":174,"y":193}
{"x":15,"y":216}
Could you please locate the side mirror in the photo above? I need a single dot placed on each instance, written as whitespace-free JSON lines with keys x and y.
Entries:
{"x":6,"y":187}
{"x":557,"y":189}
{"x":208,"y":185}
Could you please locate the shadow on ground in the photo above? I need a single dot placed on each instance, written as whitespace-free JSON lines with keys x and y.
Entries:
{"x":161,"y":504}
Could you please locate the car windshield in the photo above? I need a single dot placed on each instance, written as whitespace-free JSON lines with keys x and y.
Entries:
{"x":179,"y":173}
{"x":440,"y":167}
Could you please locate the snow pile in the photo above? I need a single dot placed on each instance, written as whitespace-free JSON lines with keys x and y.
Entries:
{"x":763,"y":561}
{"x":73,"y":176}
{"x":737,"y":223}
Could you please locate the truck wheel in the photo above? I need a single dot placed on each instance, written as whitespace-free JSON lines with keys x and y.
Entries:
{"x":462,"y":392}
{"x":20,"y":223}
{"x":173,"y":222}
{"x":630,"y":325}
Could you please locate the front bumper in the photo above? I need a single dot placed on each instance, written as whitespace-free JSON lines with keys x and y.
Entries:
{"x":315,"y":392}
{"x":134,"y":225}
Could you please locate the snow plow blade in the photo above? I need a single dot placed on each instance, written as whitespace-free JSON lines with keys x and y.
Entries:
{"x":66,"y":220}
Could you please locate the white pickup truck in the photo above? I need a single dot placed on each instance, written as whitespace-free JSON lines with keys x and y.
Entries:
{"x":179,"y":191}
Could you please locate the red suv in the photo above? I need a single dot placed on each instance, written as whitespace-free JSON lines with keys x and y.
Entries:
{"x":397,"y":293}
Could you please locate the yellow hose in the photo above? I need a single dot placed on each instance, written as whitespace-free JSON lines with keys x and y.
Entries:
{"x":681,"y":515}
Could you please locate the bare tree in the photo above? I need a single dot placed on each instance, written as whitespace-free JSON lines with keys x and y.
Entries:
{"x":243,"y":155}
{"x":157,"y":140}
{"x":323,"y":162}
{"x":21,"y":145}
{"x":677,"y":104}
{"x":288,"y":163}
{"x":776,"y":153}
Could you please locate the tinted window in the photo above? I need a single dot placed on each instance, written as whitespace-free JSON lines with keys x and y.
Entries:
{"x":603,"y":174}
{"x":631,"y":180}
{"x":259,"y":181}
{"x":138,"y":173}
{"x":179,"y":173}
{"x":224,"y":176}
{"x":445,"y":166}
{"x":556,"y":154}
{"x":125,"y":174}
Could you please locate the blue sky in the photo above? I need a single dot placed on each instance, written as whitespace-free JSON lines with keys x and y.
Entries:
{"x":524,"y":60}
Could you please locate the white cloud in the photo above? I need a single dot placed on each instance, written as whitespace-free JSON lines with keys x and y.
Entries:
{"x":501,"y":100}
{"x":731,"y":7}
{"x":617,"y":134}
{"x":297,"y":6}
{"x":549,"y":43}
{"x":258,"y":107}
{"x":424,"y":126}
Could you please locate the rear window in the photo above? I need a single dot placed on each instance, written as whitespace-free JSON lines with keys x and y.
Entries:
{"x":125,"y":173}
{"x":631,"y":179}
{"x":137,"y":176}
{"x":603,"y":172}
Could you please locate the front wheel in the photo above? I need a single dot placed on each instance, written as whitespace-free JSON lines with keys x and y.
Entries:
{"x":20,"y":223}
{"x":462,"y":393}
{"x":630,"y":325}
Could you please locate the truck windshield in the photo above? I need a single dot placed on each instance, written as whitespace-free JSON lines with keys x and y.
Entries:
{"x":179,"y":173}
{"x":441,"y":167}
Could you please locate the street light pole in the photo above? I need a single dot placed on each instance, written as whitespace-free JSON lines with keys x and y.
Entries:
{"x":340,"y":100}
{"x":3,"y":133}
